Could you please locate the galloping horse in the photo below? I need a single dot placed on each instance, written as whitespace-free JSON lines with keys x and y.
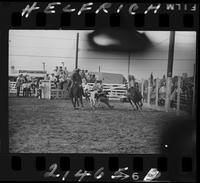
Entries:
{"x":75,"y":93}
{"x":135,"y":97}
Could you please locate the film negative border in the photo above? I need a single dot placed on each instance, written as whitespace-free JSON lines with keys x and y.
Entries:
{"x":39,"y":15}
{"x":34,"y":166}
{"x":99,"y":168}
{"x":163,"y":21}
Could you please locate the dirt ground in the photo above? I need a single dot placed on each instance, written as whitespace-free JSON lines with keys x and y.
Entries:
{"x":53,"y":126}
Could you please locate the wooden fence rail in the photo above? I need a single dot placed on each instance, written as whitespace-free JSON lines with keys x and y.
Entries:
{"x":155,"y":96}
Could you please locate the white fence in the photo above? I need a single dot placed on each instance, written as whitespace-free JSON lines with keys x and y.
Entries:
{"x":115,"y":91}
{"x":12,"y":88}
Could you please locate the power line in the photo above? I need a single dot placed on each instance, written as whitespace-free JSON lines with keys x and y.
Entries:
{"x":115,"y":58}
{"x":62,"y":38}
{"x":41,"y":37}
{"x":40,"y":47}
{"x":53,"y":48}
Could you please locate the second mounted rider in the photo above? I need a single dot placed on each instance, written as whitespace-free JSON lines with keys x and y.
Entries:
{"x":76,"y":77}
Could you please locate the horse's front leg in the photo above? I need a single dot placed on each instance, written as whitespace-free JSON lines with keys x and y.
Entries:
{"x":140,"y":104}
{"x":77,"y":101}
{"x":73,"y":103}
{"x":136,"y":104}
{"x":130,"y":101}
{"x":81,"y":100}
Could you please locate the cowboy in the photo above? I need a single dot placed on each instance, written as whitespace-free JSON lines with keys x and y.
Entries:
{"x":98,"y":86}
{"x":76,"y":77}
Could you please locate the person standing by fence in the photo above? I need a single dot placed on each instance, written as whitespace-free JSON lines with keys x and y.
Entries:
{"x":19,"y":82}
{"x":53,"y":79}
{"x":47,"y":77}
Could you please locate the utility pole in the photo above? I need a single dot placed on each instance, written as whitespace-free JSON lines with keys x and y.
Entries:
{"x":169,"y":69}
{"x":99,"y":68}
{"x":77,"y":42}
{"x":129,"y":60}
{"x":43,"y":66}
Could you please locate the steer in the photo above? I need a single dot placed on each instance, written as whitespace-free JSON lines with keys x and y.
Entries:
{"x":93,"y":98}
{"x":96,"y":97}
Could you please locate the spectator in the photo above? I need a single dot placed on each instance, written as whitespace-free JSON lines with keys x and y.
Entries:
{"x":26,"y":78}
{"x":47,"y":77}
{"x":56,"y":73}
{"x":66,"y":72}
{"x":53,"y":79}
{"x":87,"y":76}
{"x":93,"y":79}
{"x":33,"y":86}
{"x":19,"y":82}
{"x":61,"y":80}
{"x":60,"y":69}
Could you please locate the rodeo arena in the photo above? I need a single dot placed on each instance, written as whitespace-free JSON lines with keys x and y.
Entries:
{"x":108,"y":113}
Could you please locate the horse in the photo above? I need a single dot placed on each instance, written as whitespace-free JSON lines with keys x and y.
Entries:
{"x":75,"y":93}
{"x":135,"y":98}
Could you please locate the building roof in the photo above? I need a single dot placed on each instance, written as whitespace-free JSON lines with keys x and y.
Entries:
{"x":110,"y":77}
{"x":31,"y":73}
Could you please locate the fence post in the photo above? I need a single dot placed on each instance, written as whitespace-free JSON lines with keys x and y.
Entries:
{"x":49,"y":88}
{"x":142,"y":88}
{"x":57,"y":93}
{"x":194,"y":95}
{"x":178,"y":96}
{"x":149,"y":92}
{"x":157,"y":84}
{"x":168,"y":93}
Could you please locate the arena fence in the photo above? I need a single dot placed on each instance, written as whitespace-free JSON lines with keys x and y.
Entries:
{"x":115,"y":91}
{"x":50,"y":91}
{"x":181,"y":96}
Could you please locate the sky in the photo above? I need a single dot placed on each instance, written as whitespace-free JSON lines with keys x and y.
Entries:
{"x":28,"y":49}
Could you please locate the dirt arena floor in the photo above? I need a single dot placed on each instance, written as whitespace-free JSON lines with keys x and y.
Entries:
{"x":53,"y":126}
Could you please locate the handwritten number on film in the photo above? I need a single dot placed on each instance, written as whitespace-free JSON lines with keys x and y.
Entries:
{"x":118,"y":175}
{"x":52,"y":169}
{"x":99,"y":173}
{"x":82,"y":174}
{"x":121,"y":175}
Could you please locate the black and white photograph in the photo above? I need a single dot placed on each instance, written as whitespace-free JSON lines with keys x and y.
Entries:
{"x":87,"y":91}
